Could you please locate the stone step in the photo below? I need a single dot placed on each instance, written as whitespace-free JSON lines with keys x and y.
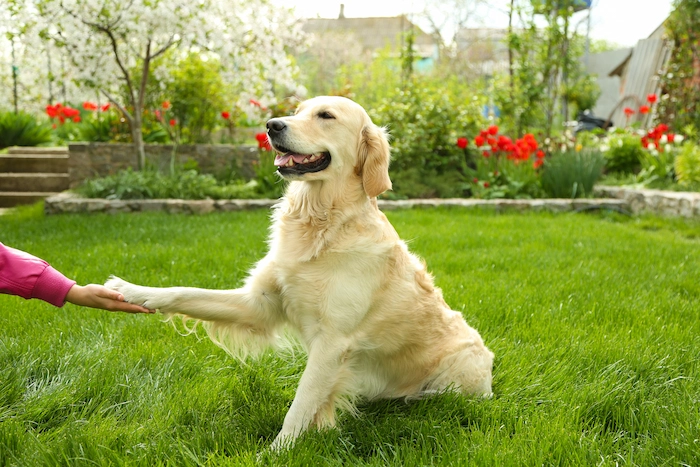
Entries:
{"x":10,"y":199}
{"x":56,"y":150}
{"x":34,"y":163}
{"x":33,"y":182}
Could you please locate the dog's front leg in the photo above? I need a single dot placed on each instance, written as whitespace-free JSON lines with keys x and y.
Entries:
{"x":257,"y":304}
{"x":317,"y":388}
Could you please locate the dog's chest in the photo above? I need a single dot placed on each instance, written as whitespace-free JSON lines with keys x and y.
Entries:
{"x":333,"y":287}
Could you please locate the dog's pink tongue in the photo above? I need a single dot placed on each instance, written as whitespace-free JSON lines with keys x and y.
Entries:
{"x":281,"y":160}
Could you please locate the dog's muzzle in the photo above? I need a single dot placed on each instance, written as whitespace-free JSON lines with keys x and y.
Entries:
{"x":288,"y":161}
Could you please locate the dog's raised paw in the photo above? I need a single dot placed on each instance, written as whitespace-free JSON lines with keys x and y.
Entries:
{"x":135,"y":294}
{"x":115,"y":283}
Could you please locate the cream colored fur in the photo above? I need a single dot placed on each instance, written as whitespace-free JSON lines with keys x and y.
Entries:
{"x":337,"y":273}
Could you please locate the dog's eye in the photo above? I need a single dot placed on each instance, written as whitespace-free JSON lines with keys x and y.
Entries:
{"x":325,"y":115}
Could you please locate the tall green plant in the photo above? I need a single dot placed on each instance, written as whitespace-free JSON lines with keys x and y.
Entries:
{"x":572,"y":174}
{"x":682,"y":80}
{"x":198,"y":96}
{"x":22,"y":129}
{"x":546,"y":80}
{"x":370,"y":81}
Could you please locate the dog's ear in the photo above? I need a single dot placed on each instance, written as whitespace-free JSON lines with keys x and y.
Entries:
{"x":373,"y":163}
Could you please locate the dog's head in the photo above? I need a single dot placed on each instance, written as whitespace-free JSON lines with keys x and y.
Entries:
{"x":331,"y":139}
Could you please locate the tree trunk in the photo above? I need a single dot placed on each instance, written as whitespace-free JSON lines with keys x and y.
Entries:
{"x":137,"y":136}
{"x":511,"y":77}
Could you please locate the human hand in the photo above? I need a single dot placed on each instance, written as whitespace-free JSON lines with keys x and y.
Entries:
{"x":98,"y":296}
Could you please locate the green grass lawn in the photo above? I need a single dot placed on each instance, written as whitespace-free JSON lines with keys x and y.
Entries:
{"x":594,"y":320}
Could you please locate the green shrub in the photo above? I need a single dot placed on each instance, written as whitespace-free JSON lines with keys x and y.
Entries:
{"x":687,"y":164}
{"x":198,"y":95}
{"x":424,"y":123}
{"x":572,"y":174}
{"x":417,"y":183}
{"x":22,"y":129}
{"x":624,"y":153}
{"x":149,"y":184}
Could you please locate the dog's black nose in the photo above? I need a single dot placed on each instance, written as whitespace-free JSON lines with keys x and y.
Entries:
{"x":276,"y":125}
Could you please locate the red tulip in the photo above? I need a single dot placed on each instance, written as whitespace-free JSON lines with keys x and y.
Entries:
{"x":487,"y":184}
{"x":651,"y":98}
{"x":87,"y":105}
{"x":493,"y":129}
{"x":105,"y":107}
{"x":462,"y":142}
{"x":52,"y":110}
{"x":225,"y":115}
{"x":165,"y":105}
{"x":69,"y":112}
{"x":628,"y":112}
{"x":173,"y":122}
{"x":643,"y":109}
{"x":479,"y":141}
{"x":263,"y":142}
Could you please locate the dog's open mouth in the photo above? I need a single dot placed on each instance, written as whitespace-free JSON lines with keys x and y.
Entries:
{"x":289,"y":162}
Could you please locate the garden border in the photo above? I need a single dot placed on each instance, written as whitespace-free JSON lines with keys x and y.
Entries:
{"x":684,"y":204}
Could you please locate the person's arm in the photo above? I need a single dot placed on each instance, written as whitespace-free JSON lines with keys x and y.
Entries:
{"x":27,"y":276}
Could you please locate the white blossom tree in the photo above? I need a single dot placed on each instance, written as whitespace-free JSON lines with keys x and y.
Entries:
{"x":32,"y":71}
{"x":114,"y":45}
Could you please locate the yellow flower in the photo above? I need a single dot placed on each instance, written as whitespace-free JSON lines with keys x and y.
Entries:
{"x":579,"y":146}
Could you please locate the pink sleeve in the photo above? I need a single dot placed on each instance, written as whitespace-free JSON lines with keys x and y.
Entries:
{"x":30,"y":277}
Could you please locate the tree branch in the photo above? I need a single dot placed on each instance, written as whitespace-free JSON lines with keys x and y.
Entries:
{"x":126,"y":113}
{"x":107,"y":30}
{"x":163,"y":49}
{"x":144,"y":77}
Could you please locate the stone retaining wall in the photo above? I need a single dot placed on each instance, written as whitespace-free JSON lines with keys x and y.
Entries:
{"x":71,"y":203}
{"x":666,"y":203}
{"x":88,"y":160}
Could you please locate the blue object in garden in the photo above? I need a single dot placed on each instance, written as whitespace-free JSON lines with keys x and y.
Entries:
{"x":582,"y":5}
{"x":490,"y":110}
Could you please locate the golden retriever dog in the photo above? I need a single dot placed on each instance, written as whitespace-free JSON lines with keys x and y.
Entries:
{"x":337,"y":274}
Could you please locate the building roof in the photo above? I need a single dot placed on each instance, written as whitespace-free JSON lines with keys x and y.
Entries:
{"x":375,"y":33}
{"x":605,"y":63}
